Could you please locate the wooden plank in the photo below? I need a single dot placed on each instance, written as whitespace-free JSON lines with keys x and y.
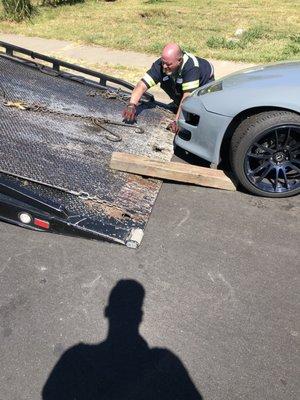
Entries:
{"x":173,"y":171}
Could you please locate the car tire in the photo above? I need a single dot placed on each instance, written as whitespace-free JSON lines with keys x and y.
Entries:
{"x":265,"y":153}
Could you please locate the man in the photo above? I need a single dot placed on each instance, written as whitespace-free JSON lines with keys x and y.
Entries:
{"x":179,"y":73}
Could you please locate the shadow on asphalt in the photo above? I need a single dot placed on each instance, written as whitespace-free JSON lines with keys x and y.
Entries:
{"x":180,"y":155}
{"x":123,"y":366}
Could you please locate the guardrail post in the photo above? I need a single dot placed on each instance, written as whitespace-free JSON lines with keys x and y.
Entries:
{"x":55,"y":66}
{"x":9,"y":51}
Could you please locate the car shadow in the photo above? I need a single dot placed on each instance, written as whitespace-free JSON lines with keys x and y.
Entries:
{"x":180,"y":155}
{"x":123,"y":366}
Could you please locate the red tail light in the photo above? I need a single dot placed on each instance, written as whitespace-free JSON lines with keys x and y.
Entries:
{"x":41,"y":223}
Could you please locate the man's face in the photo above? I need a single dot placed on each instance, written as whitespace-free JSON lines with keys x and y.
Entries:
{"x":170,"y":65}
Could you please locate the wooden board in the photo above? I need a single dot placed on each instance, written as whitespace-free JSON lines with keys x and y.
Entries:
{"x":173,"y":171}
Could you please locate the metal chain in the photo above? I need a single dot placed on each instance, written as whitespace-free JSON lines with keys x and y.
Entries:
{"x":124,"y":97}
{"x":100,"y":122}
{"x":110,"y":94}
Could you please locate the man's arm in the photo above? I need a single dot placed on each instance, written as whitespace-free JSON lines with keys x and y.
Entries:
{"x":185,"y":95}
{"x":189,"y":84}
{"x":138,"y":92}
{"x":129,"y":113}
{"x":151,"y":78}
{"x":173,"y":126}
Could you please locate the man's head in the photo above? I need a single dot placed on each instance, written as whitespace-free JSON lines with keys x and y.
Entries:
{"x":171,"y":58}
{"x":125,"y":303}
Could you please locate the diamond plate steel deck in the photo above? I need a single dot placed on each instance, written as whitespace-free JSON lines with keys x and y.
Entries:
{"x":70,"y":152}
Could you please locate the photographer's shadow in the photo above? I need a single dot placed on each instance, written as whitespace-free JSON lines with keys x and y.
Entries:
{"x":122,"y":367}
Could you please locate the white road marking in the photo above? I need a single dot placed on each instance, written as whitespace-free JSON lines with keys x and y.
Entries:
{"x":187,"y":215}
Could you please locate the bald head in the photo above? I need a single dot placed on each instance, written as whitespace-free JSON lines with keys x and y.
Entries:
{"x":171,"y":51}
{"x":171,"y":58}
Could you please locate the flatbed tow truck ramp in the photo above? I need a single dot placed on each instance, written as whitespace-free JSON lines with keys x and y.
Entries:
{"x":59,"y":125}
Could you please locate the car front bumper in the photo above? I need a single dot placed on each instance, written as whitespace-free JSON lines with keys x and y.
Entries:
{"x":201,"y":132}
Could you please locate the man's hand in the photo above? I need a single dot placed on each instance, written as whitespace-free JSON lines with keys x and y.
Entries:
{"x":173,"y":127}
{"x":129,"y":113}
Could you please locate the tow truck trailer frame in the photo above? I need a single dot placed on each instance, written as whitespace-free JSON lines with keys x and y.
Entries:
{"x":29,"y":204}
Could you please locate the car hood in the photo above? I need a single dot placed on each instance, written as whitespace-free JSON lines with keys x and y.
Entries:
{"x":263,"y":85}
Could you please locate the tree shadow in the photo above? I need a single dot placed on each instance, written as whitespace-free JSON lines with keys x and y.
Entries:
{"x":122,"y":367}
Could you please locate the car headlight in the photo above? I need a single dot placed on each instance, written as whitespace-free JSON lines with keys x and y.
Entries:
{"x":215,"y":87}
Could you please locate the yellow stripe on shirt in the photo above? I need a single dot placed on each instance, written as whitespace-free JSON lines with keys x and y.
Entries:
{"x":190,"y":85}
{"x":147,"y":78}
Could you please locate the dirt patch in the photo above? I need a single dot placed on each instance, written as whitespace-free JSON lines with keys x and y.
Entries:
{"x":113,"y":211}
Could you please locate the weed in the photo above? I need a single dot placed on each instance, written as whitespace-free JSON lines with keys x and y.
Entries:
{"x":17,"y":10}
{"x":248,"y":37}
{"x":254,"y":33}
{"x":153,"y":14}
{"x":217,"y":42}
{"x":156,"y":1}
{"x":156,"y":47}
{"x":55,"y":3}
{"x":291,"y":49}
{"x":295,"y":38}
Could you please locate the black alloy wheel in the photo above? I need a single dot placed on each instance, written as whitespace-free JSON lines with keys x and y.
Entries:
{"x":272,"y":163}
{"x":265,"y":154}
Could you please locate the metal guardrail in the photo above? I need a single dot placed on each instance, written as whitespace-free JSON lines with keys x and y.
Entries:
{"x":11,"y":49}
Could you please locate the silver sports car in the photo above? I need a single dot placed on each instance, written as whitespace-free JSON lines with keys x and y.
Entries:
{"x":251,"y":119}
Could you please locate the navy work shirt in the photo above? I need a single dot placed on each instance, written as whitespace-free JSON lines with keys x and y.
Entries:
{"x":193,"y":73}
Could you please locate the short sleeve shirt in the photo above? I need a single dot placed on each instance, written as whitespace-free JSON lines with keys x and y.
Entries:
{"x":194,"y":72}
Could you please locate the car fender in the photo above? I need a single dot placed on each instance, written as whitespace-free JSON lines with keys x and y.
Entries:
{"x":233,"y":102}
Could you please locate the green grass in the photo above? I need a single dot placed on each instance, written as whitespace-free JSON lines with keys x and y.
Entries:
{"x":207,"y":27}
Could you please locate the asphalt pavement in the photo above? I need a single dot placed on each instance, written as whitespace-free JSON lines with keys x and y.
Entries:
{"x":220,"y":274}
